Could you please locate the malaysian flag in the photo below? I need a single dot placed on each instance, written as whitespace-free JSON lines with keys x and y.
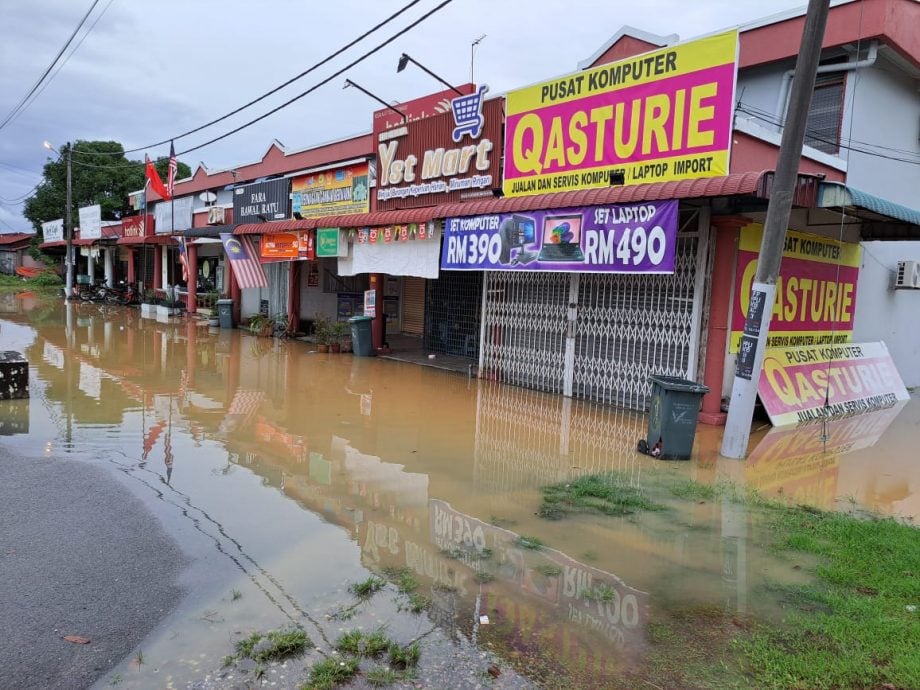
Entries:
{"x":173,"y":167}
{"x":183,"y":258}
{"x":244,"y":260}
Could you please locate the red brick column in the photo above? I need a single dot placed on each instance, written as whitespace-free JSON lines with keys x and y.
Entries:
{"x":192,"y":302}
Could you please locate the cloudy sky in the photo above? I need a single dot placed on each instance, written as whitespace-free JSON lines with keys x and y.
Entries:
{"x":147,"y":71}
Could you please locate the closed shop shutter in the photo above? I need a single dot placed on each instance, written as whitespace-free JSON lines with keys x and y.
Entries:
{"x":413,"y":306}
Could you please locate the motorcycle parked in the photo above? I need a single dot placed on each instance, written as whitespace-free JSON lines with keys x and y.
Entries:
{"x":121,"y":294}
{"x":91,"y":292}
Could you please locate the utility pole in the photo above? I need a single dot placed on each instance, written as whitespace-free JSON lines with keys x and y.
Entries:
{"x":763,"y":290}
{"x":68,"y":228}
{"x":473,"y":45}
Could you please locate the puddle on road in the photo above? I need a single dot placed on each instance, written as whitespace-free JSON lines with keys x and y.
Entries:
{"x":290,"y":474}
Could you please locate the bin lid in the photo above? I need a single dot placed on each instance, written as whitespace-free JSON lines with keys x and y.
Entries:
{"x":358,"y":319}
{"x":675,"y":383}
{"x":225,"y":301}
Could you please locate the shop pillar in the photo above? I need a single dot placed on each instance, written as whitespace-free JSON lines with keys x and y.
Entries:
{"x":109,"y":266}
{"x":376,"y":284}
{"x":727,"y":233}
{"x":192,"y":300}
{"x":235,"y":294}
{"x":191,"y":351}
{"x":157,"y":268}
{"x":91,"y":266}
{"x":294,"y":297}
{"x":132,"y":272}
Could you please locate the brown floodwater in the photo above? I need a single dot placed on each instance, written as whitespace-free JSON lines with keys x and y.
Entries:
{"x":289,"y":474}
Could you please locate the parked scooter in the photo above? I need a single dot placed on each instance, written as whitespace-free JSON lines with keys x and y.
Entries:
{"x":91,"y":292}
{"x":121,"y":294}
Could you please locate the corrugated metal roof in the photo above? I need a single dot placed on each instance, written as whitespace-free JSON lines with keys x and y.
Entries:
{"x":354,"y":220}
{"x":14,"y":237}
{"x":150,"y":239}
{"x":837,"y":195}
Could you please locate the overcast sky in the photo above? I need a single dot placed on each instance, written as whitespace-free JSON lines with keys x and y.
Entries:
{"x":150,"y":70}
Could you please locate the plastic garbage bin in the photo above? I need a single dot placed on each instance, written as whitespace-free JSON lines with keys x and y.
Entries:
{"x":225,"y":312}
{"x":362,"y":338}
{"x":673,"y":412}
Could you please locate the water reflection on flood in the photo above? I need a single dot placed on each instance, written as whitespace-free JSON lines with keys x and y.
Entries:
{"x":292,"y":463}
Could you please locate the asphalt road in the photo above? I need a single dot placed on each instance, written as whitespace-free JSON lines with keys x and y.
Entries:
{"x":79,"y":555}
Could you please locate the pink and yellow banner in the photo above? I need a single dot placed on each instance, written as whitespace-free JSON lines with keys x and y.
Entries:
{"x":664,"y":115}
{"x":815,"y":290}
{"x":799,"y":385}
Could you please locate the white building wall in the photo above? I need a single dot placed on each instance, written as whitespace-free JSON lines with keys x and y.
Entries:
{"x":886,"y":314}
{"x":886,"y":113}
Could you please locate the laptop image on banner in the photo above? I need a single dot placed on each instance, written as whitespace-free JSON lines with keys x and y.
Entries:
{"x":562,"y":239}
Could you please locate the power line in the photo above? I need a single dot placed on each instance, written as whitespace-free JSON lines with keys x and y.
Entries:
{"x":66,"y":59}
{"x":278,"y":88}
{"x":313,"y":88}
{"x":21,"y":104}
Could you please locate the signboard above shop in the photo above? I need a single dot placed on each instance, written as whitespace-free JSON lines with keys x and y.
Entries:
{"x":633,"y":238}
{"x":417,"y":109}
{"x":664,"y":115}
{"x":53,"y":230}
{"x":137,"y":226}
{"x":332,"y":192}
{"x":261,"y":202}
{"x":173,"y":215}
{"x":444,"y":158}
{"x":91,"y":222}
{"x":329,"y":243}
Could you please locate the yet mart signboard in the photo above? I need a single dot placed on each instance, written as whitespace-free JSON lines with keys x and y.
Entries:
{"x":443,"y":158}
{"x":664,"y":115}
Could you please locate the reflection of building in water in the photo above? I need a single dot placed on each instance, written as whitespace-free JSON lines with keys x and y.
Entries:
{"x":14,"y":417}
{"x":529,"y":439}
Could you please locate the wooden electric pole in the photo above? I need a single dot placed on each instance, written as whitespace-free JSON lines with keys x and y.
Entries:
{"x":763,"y":290}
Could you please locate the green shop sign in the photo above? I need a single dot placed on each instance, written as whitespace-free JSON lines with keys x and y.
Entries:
{"x":329,"y":242}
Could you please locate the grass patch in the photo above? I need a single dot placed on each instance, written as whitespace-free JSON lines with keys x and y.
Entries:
{"x":357,"y":643}
{"x":380,"y":677}
{"x":404,"y":657}
{"x":548,"y":570}
{"x":279,"y":644}
{"x":605,"y":493}
{"x":366,"y":588}
{"x":403,"y":578}
{"x":235,"y":595}
{"x":690,"y":490}
{"x":416,"y":603}
{"x":852,"y":627}
{"x":530,"y":543}
{"x":331,"y":672}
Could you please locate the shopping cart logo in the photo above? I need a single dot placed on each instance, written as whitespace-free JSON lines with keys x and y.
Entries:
{"x":468,"y":117}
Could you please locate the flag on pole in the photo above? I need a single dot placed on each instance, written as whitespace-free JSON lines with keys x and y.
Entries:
{"x":183,"y":258}
{"x":153,"y":177}
{"x":244,"y":260}
{"x":173,"y":167}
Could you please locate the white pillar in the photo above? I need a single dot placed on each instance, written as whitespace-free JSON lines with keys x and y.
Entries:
{"x":109,"y":266}
{"x":90,"y":265}
{"x":164,"y":267}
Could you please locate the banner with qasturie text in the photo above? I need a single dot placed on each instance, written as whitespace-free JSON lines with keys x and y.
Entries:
{"x":629,"y":238}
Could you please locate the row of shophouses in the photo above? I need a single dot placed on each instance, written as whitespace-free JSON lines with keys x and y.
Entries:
{"x":502,"y":229}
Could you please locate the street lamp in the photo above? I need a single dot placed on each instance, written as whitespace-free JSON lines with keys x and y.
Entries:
{"x":68,"y":225}
{"x":473,"y":55}
{"x":349,"y":82}
{"x":404,"y":60}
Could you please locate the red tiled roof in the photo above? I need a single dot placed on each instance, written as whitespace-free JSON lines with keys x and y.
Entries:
{"x":149,"y":239}
{"x":14,"y":237}
{"x":354,"y":220}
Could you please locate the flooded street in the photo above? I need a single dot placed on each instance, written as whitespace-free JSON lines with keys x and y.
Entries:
{"x":287,"y":475}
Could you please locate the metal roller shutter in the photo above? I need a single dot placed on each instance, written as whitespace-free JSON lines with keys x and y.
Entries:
{"x":413,"y":306}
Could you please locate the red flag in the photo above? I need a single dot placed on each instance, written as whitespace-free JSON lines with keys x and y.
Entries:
{"x":154,"y":177}
{"x":173,"y":167}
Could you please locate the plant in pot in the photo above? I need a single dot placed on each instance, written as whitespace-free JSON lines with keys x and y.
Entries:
{"x":340,"y":330}
{"x":265,"y":325}
{"x":149,"y":304}
{"x":169,"y":305}
{"x":322,"y":332}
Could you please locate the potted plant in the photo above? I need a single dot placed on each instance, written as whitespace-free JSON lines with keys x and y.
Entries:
{"x":149,"y":304}
{"x":265,"y":325}
{"x":207,"y":304}
{"x":169,"y":305}
{"x":340,"y":330}
{"x":322,"y":333}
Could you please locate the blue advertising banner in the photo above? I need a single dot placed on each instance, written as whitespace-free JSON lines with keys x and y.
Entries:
{"x":629,"y":238}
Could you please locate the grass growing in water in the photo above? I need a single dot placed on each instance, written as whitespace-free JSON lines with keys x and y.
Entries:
{"x":530,"y":543}
{"x":862,"y":635}
{"x":366,"y":588}
{"x":404,"y":657}
{"x":593,"y":493}
{"x":357,"y":643}
{"x":548,"y":570}
{"x":329,"y":673}
{"x":280,"y":645}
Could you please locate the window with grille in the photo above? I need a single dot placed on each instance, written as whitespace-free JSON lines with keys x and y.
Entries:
{"x":826,"y":113}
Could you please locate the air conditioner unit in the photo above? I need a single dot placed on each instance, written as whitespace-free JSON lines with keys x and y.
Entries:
{"x":908,"y":276}
{"x":216,"y":215}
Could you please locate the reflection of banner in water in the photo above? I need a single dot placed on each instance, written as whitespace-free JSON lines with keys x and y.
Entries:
{"x":805,"y":467}
{"x":242,"y":408}
{"x":90,"y":380}
{"x":53,"y":356}
{"x":526,"y":438}
{"x":150,"y":437}
{"x":620,"y":615}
